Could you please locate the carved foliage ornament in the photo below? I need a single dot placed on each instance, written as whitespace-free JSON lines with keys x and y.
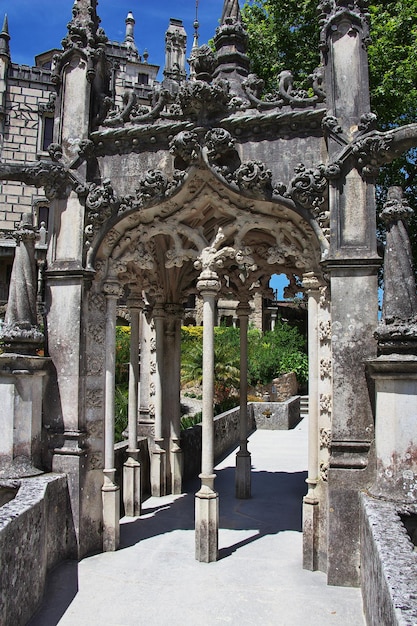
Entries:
{"x":372,"y":152}
{"x":286,"y":94}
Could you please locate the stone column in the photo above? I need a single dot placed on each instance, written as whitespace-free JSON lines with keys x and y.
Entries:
{"x":206,"y":499}
{"x":132,"y":470}
{"x":310,"y":501}
{"x":173,"y":375}
{"x":146,"y":424}
{"x":110,"y":491}
{"x":243,"y":458}
{"x":158,"y":459}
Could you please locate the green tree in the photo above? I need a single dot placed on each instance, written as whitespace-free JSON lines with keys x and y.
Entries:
{"x":284,"y":35}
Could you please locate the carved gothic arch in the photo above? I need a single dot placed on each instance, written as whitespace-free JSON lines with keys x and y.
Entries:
{"x":159,"y":246}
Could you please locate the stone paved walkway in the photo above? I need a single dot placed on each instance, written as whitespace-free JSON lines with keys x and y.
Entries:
{"x":154,"y":579}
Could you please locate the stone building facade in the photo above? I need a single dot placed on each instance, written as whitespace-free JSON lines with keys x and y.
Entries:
{"x":207,"y":190}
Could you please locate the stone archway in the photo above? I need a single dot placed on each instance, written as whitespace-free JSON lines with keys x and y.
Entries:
{"x":211,"y":240}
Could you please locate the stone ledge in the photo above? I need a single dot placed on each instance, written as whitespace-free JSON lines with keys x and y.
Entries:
{"x":35,"y":535}
{"x":388,"y":565}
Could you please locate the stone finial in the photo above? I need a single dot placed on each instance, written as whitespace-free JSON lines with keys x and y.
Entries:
{"x":398,"y":328}
{"x":84,"y":30}
{"x":4,"y":39}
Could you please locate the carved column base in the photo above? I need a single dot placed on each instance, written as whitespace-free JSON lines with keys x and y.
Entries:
{"x":111,"y":512}
{"x":176,"y":468}
{"x":158,"y":470}
{"x":132,"y":485}
{"x":207,"y":521}
{"x":310,"y":533}
{"x":243,"y":475}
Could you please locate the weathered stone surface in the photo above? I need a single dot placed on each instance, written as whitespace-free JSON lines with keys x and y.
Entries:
{"x":388,"y":565}
{"x":286,"y":386}
{"x":35,"y":534}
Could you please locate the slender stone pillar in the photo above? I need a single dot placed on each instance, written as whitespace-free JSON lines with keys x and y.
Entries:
{"x":310,"y":501}
{"x":132,"y":470}
{"x":243,"y":458}
{"x":110,"y":491}
{"x":173,"y":375}
{"x":158,"y":460}
{"x":146,"y":424}
{"x":207,"y":500}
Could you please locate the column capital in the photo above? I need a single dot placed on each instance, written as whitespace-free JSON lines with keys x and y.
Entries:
{"x":174,"y":310}
{"x":243,"y":309}
{"x":311,"y":282}
{"x":135,"y":303}
{"x":158,"y":311}
{"x":208,"y":285}
{"x":112,"y":289}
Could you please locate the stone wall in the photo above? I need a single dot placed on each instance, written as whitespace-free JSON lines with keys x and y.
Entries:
{"x":28,"y":90}
{"x":35,"y":535}
{"x":283,"y":416}
{"x":226,"y":437}
{"x":388,"y":566}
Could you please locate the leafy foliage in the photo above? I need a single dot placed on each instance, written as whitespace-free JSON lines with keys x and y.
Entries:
{"x":269,"y":354}
{"x":284,"y":35}
{"x":276,"y":352}
{"x":122,"y":354}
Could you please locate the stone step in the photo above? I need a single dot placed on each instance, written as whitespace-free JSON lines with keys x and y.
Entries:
{"x":303,"y":405}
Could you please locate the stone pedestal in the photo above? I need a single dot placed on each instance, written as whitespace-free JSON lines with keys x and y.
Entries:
{"x":132,"y":485}
{"x":158,"y":470}
{"x":243,"y":474}
{"x":310,"y":533}
{"x":21,"y":391}
{"x":111,"y":512}
{"x":395,"y":378}
{"x":207,"y":521}
{"x":177,"y":463}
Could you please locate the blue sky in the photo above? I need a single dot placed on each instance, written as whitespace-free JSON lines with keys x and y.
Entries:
{"x":39,"y":25}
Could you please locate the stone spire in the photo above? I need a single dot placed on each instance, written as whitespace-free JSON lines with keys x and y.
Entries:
{"x":397,"y":331}
{"x":231,"y":42}
{"x":194,"y":48}
{"x":20,"y":332}
{"x":231,"y":10}
{"x":4,"y":39}
{"x":130,"y":33}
